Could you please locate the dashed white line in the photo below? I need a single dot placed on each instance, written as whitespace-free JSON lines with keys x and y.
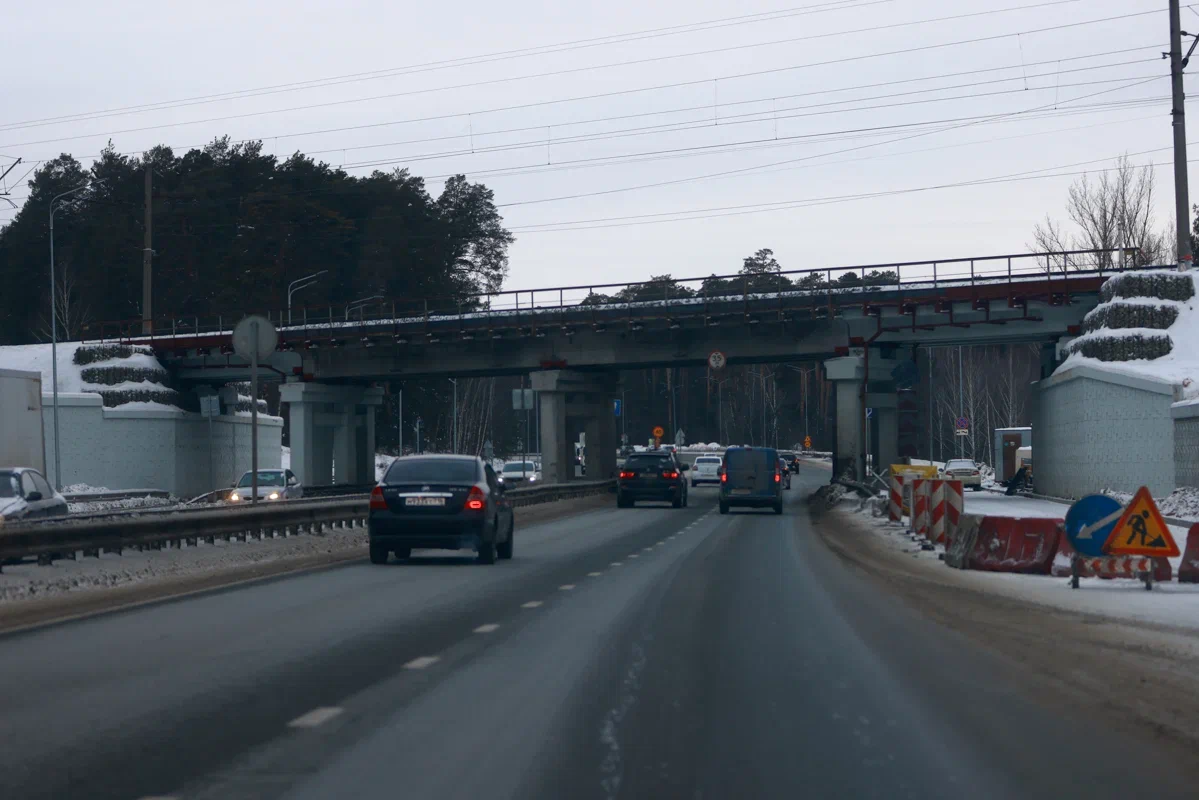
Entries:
{"x":632,"y":555}
{"x":317,"y":716}
{"x":488,"y":628}
{"x":422,"y":661}
{"x":647,"y":549}
{"x":594,"y":574}
{"x":531,"y":604}
{"x":566,"y":587}
{"x":159,"y":797}
{"x":614,"y":564}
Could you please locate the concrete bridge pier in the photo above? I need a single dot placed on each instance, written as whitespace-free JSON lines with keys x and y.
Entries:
{"x":849,"y":375}
{"x":332,"y":425}
{"x":567,"y":395}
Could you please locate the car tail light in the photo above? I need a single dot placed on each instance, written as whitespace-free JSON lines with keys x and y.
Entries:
{"x":474,"y":500}
{"x":724,"y":477}
{"x":670,"y":474}
{"x":377,"y":501}
{"x":777,"y":477}
{"x":625,"y":475}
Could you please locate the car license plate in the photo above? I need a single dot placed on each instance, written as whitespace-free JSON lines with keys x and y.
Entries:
{"x":424,"y":501}
{"x":739,"y":491}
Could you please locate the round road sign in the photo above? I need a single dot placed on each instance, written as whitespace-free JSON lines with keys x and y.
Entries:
{"x":253,"y":336}
{"x":659,"y":431}
{"x":1089,"y":523}
{"x":962,"y":423}
{"x":717,"y":360}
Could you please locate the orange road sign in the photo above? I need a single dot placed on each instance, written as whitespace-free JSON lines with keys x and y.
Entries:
{"x":1141,"y":531}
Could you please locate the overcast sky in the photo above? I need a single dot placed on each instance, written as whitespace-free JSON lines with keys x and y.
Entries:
{"x":676,"y":115}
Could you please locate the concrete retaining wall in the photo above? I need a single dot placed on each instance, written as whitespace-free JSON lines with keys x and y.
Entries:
{"x":1097,"y":430}
{"x":1186,"y":444}
{"x":140,"y":448}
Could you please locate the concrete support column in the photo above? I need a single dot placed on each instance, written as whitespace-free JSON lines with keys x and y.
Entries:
{"x":557,"y":458}
{"x":601,"y":443}
{"x":328,"y":424}
{"x":888,"y":439}
{"x":846,"y":374}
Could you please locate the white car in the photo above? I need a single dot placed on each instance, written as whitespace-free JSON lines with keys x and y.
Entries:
{"x":964,"y":470}
{"x":706,"y":470}
{"x":273,"y":484}
{"x":517,"y":473}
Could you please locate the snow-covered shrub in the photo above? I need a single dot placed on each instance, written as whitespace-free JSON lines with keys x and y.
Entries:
{"x":111,"y":376}
{"x":1164,"y":286}
{"x":104,"y":352}
{"x":120,"y":397}
{"x":1122,"y":348}
{"x":1129,"y":315}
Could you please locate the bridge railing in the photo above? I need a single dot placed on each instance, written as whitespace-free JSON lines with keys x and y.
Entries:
{"x":830,"y":284}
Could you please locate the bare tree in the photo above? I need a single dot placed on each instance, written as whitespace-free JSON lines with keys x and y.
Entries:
{"x":72,"y":313}
{"x":1111,"y":210}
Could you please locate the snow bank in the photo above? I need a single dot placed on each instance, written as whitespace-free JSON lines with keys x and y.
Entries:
{"x":1179,"y":367}
{"x":37,"y":358}
{"x":1183,"y":503}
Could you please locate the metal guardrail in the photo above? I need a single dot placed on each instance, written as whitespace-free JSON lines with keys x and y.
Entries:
{"x":48,"y":540}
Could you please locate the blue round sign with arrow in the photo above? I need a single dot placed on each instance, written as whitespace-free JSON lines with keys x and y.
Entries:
{"x":1090,"y":521}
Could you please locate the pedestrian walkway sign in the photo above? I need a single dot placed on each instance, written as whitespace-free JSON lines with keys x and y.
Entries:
{"x":1141,"y":530}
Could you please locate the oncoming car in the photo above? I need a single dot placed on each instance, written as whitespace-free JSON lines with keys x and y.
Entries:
{"x":273,"y":484}
{"x":440,"y":502}
{"x":517,"y":472}
{"x":964,"y":470}
{"x":25,"y":494}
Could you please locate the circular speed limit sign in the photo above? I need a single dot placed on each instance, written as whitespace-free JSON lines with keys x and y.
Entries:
{"x":659,"y":432}
{"x":717,"y":360}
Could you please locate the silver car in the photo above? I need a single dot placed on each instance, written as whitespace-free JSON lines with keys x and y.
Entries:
{"x":273,"y":484}
{"x":964,"y":470}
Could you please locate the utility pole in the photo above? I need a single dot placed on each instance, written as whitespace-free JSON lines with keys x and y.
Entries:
{"x":147,"y":252}
{"x":961,"y":404}
{"x":1182,"y":203}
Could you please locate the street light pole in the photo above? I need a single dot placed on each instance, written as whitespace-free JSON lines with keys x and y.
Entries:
{"x":54,"y":329}
{"x":454,"y":425}
{"x":805,"y":372}
{"x":304,"y":282}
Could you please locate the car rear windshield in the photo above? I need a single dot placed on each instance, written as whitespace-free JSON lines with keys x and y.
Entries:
{"x":959,"y":465}
{"x":750,"y":459}
{"x":9,"y":485}
{"x":707,"y":460}
{"x":431,"y":470}
{"x":642,"y":461}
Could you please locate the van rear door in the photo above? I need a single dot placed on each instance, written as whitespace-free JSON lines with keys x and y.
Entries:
{"x":751,"y":471}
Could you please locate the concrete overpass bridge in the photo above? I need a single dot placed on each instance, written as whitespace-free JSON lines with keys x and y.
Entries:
{"x":573,"y":339}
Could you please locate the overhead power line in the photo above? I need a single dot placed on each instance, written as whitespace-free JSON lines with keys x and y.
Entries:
{"x":786,"y":205}
{"x":636,"y":62}
{"x":485,"y":58}
{"x":743,"y":170}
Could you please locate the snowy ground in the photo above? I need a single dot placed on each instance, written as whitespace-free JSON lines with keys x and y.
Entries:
{"x":25,"y":581}
{"x":124,"y":504}
{"x":1183,"y":502}
{"x":1172,"y":604}
{"x":37,"y":358}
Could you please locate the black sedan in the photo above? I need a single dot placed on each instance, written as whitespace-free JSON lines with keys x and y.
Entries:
{"x":654,"y":475}
{"x":440,"y":502}
{"x":25,"y":494}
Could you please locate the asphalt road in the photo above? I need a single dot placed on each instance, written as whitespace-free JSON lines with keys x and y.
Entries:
{"x":642,"y":653}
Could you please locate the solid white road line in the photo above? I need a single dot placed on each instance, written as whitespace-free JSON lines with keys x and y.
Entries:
{"x":317,"y":716}
{"x":531,"y":604}
{"x":566,"y":587}
{"x":421,"y":662}
{"x":488,"y":628}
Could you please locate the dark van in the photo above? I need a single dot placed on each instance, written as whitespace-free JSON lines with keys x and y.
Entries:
{"x":751,"y":478}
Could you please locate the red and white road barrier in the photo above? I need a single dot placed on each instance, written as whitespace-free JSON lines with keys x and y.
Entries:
{"x":953,"y":507}
{"x":1125,"y":567}
{"x":895,"y":499}
{"x":920,"y":488}
{"x":936,"y":510}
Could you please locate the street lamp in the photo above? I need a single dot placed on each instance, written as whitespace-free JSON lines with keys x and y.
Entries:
{"x":720,"y":407}
{"x":359,"y":303}
{"x":805,"y":373}
{"x":297,"y":285}
{"x":54,"y":327}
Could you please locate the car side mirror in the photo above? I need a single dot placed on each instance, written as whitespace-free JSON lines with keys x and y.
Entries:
{"x":33,"y":496}
{"x":293,"y":482}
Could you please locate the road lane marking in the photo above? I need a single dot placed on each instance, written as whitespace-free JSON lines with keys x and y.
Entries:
{"x":159,"y":797}
{"x":421,"y":662}
{"x":594,"y":574}
{"x":647,"y":549}
{"x":488,"y":628}
{"x":632,"y":555}
{"x":317,"y":716}
{"x":531,"y":604}
{"x":566,"y":587}
{"x":614,"y":564}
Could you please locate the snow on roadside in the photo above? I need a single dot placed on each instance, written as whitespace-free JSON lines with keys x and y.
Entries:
{"x":27,"y":581}
{"x":123,"y":504}
{"x":1172,"y":604}
{"x":1183,"y":502}
{"x":36,"y":358}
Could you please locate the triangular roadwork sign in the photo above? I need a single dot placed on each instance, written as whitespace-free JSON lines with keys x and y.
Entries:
{"x":1141,"y":531}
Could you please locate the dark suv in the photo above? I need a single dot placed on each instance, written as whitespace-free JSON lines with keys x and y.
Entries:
{"x":751,"y":477}
{"x":652,"y":475}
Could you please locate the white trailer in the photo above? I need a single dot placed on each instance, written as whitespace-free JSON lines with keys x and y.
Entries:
{"x":22,"y":438}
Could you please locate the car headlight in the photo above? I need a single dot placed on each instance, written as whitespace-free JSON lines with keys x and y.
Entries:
{"x":234,"y":497}
{"x":273,"y":496}
{"x":532,"y":478}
